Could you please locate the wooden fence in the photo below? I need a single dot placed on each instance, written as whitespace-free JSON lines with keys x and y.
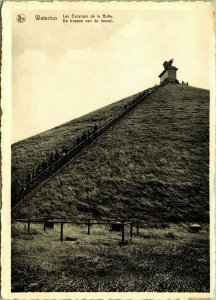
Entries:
{"x":80,"y":221}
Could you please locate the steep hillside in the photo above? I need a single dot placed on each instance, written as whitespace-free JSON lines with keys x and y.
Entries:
{"x":152,"y":165}
{"x":28,"y":153}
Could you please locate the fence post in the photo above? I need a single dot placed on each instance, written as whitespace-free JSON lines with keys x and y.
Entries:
{"x":137,"y":228}
{"x":28,"y":225}
{"x":89,"y":221}
{"x":131,"y":229}
{"x":62,"y":224}
{"x":123,"y":239}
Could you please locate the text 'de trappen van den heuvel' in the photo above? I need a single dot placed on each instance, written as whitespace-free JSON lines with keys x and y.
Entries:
{"x":78,"y":18}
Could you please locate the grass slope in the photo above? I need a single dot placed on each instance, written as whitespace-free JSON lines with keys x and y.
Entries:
{"x":32,"y":151}
{"x":153,"y":165}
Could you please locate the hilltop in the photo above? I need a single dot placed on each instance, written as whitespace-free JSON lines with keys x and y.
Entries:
{"x":153,"y":165}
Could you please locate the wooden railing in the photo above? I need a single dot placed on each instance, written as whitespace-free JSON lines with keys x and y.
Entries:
{"x":82,"y":221}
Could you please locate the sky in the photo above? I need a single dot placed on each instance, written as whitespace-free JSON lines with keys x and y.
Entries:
{"x":61,"y":71}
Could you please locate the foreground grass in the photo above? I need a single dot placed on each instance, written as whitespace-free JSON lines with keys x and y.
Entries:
{"x":160,"y":260}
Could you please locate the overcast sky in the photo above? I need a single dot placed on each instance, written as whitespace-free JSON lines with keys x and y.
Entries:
{"x":62,"y":71}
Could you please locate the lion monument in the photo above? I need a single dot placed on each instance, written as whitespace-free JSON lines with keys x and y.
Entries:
{"x":168,"y":64}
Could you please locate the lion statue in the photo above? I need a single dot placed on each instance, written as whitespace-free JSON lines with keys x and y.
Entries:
{"x":167,"y":64}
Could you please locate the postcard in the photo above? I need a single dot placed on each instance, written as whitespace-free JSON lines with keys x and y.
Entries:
{"x":108,"y":116}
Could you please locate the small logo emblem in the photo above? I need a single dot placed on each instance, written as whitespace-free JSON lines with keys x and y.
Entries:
{"x":21,"y":18}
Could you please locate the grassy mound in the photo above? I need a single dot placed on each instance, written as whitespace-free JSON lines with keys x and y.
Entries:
{"x":153,"y":165}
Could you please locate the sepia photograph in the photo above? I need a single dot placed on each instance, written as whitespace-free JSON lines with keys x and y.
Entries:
{"x":108,"y":149}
